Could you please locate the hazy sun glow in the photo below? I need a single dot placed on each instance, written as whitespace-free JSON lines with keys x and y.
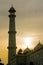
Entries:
{"x":28,"y":41}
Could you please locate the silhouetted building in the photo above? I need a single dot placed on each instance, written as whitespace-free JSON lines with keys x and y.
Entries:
{"x":29,"y":57}
{"x":37,"y":55}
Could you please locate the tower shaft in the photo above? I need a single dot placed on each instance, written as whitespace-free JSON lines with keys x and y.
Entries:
{"x":12,"y":38}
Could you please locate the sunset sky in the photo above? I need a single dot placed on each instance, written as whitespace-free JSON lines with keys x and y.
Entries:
{"x":29,"y":23}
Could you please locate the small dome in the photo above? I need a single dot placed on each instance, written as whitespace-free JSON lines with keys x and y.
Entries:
{"x":20,"y":51}
{"x":27,"y":50}
{"x":12,"y":10}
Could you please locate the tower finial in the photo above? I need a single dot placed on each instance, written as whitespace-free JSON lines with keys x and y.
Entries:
{"x":12,"y":5}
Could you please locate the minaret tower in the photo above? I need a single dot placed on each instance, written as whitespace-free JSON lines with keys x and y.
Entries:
{"x":12,"y":38}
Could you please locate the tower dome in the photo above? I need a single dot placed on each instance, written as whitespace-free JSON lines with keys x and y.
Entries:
{"x":12,"y":10}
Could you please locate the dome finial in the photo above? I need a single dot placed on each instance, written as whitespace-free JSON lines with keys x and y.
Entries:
{"x":27,"y":46}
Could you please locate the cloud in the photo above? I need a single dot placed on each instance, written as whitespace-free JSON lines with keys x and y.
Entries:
{"x":29,"y":7}
{"x":24,"y":8}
